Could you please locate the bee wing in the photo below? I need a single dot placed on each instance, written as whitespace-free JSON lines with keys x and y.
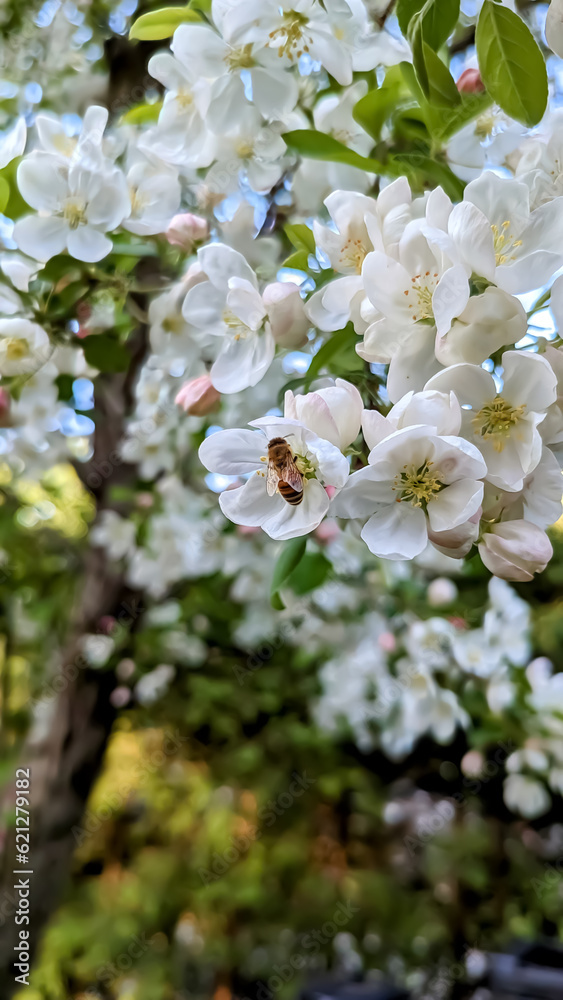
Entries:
{"x":290,"y":474}
{"x":272,"y":480}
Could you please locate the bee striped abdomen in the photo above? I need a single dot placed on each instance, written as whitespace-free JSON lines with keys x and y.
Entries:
{"x":289,"y":494}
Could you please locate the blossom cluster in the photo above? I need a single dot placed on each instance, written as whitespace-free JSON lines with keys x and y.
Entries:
{"x":446,"y":430}
{"x":468,"y":451}
{"x":399,"y":681}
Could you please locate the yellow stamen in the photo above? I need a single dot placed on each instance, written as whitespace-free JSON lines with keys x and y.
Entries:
{"x":16,"y":348}
{"x":496,"y":420}
{"x":417,"y":486}
{"x":352,"y":255}
{"x":504,"y":242}
{"x":292,"y":37}
{"x":421,"y":291}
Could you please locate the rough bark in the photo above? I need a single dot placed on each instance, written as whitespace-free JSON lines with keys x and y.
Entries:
{"x":65,"y":763}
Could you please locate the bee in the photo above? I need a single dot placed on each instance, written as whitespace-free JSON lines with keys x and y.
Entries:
{"x":283,"y":474}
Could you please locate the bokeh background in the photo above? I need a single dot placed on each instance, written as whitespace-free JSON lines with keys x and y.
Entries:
{"x":234,"y":792}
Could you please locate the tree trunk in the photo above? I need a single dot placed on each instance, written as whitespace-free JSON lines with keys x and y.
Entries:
{"x":65,"y":763}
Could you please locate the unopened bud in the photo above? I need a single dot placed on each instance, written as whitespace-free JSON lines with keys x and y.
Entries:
{"x":515,"y":550}
{"x":470,"y":82}
{"x":198,"y":397}
{"x":5,"y":400}
{"x":186,"y":229}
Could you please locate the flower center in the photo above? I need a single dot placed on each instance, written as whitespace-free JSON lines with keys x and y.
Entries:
{"x":173,"y":324}
{"x":417,"y":486}
{"x":16,"y":348}
{"x":485,"y":125}
{"x":240,"y":58}
{"x":184,"y":98}
{"x":420,"y":294}
{"x":245,"y":149}
{"x":74,"y":212}
{"x":352,"y":255}
{"x":504,"y":242}
{"x":138,"y":201}
{"x":496,"y":420}
{"x":305,"y":466}
{"x":291,"y":36}
{"x":64,"y":144}
{"x":237,"y":329}
{"x":342,"y":135}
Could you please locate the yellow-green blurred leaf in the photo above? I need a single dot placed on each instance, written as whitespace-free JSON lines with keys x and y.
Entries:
{"x":161,"y":23}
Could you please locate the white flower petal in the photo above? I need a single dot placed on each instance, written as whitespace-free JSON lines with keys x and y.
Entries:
{"x":455,"y":505}
{"x":242,"y":363}
{"x":293,"y":521}
{"x":43,"y":181}
{"x":221,"y":263}
{"x":234,"y":452}
{"x":250,"y":504}
{"x":528,"y":378}
{"x":39,"y":237}
{"x":88,"y":244}
{"x":396,"y":531}
{"x":13,"y":144}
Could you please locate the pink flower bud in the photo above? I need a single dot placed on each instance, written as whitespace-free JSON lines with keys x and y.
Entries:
{"x":472,"y":763}
{"x":286,"y":313}
{"x":459,"y":623}
{"x":327,"y":531}
{"x":387,"y":642}
{"x":5,"y":400}
{"x":107,"y":624}
{"x":186,"y":229}
{"x":120,"y":696}
{"x":198,"y":397}
{"x":470,"y":82}
{"x":441,"y":592}
{"x":245,"y":529}
{"x":515,"y":550}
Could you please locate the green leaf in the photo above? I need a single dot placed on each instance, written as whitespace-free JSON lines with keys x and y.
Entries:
{"x":4,"y":193}
{"x":319,"y":146}
{"x":373,"y":110}
{"x":289,"y":558}
{"x":419,"y":62}
{"x":162,"y":23}
{"x":511,"y":64}
{"x":446,"y":123}
{"x":16,"y":205}
{"x":428,"y":30}
{"x":64,"y":386}
{"x":105,"y":353}
{"x":336,"y":351}
{"x":442,"y":123}
{"x":442,"y":90}
{"x":406,"y":9}
{"x":435,"y":22}
{"x":299,"y":260}
{"x":311,"y":573}
{"x":142,"y":113}
{"x":129,"y":247}
{"x":431,"y":171}
{"x":301,"y":237}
